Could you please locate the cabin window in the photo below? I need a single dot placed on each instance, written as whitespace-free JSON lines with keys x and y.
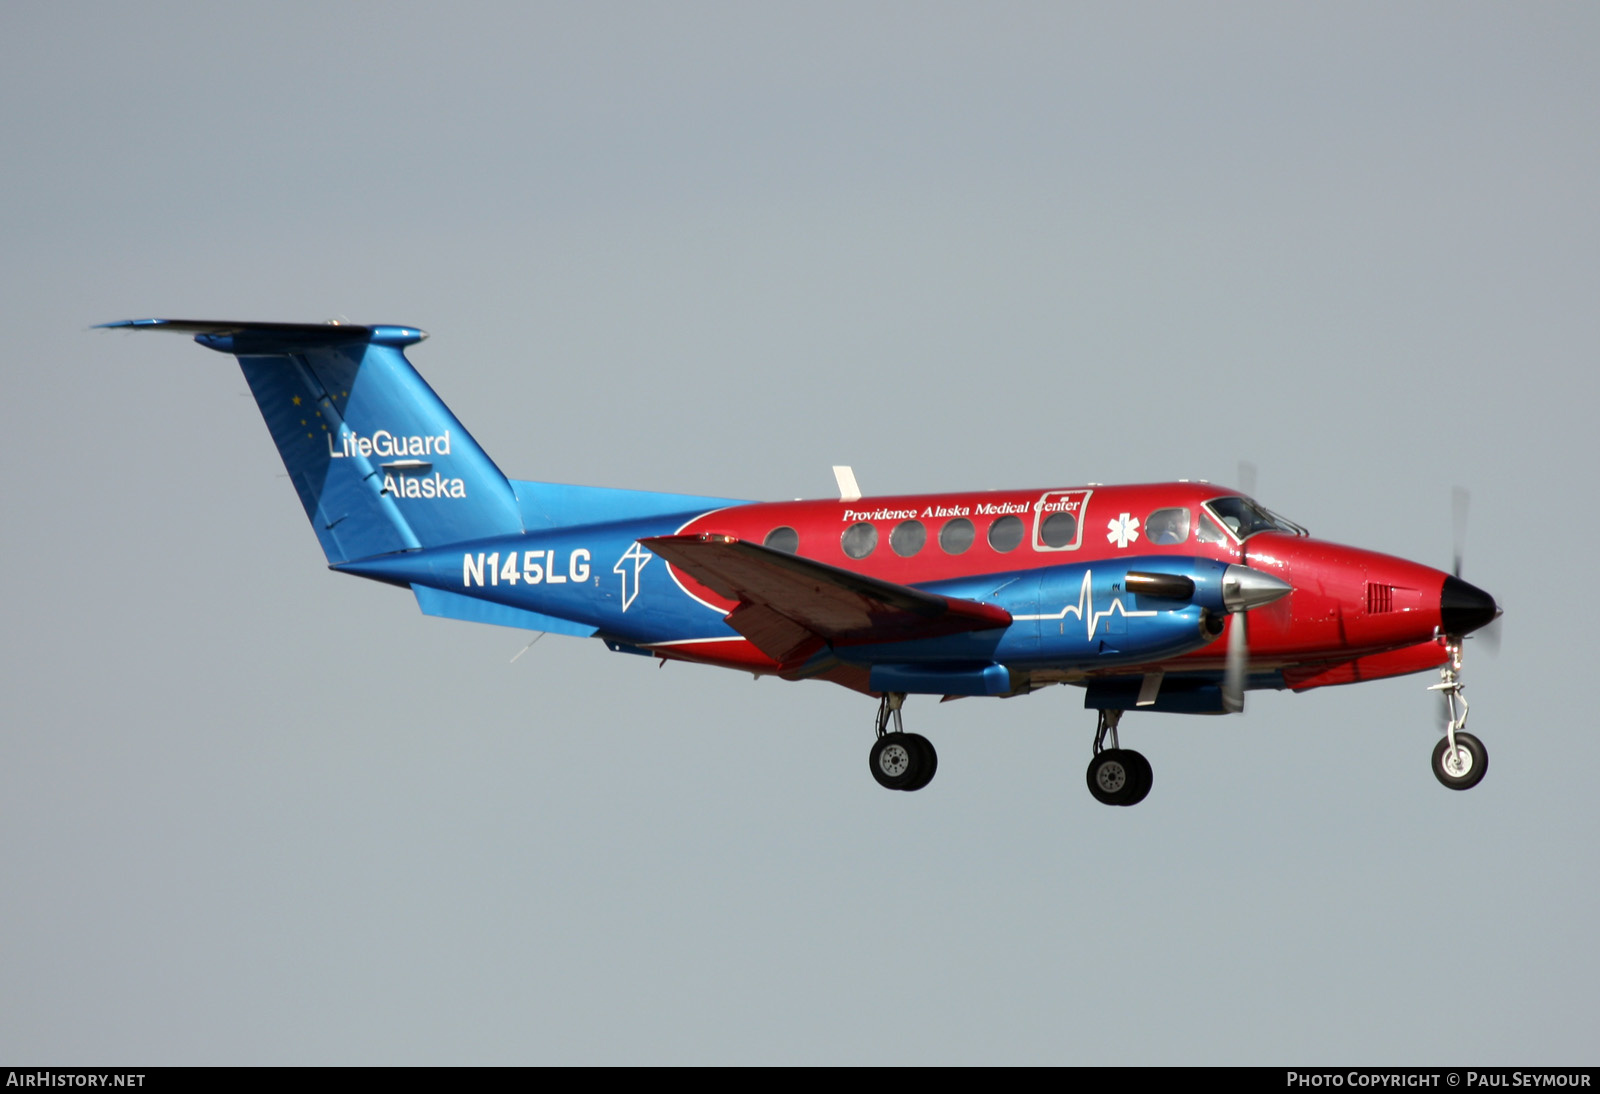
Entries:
{"x":1058,"y":520}
{"x":908,"y":538}
{"x":1206,"y":531}
{"x":783,"y":538}
{"x":859,"y":539}
{"x":1058,"y":530}
{"x":1165,"y":527}
{"x":1005,"y":534}
{"x":957,"y":535}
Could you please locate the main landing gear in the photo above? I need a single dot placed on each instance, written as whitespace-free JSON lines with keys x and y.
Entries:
{"x":1459,"y":759}
{"x":1117,"y":776}
{"x":900,"y":760}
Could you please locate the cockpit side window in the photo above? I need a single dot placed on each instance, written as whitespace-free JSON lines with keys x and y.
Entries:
{"x":1206,"y":530}
{"x":1244,"y":518}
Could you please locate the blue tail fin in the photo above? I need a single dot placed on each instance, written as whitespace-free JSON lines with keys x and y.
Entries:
{"x":379,"y":462}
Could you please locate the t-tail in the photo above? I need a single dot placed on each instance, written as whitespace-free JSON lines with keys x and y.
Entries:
{"x":380,"y":463}
{"x":390,"y":480}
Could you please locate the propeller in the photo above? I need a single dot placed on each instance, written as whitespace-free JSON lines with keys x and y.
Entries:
{"x":1238,"y":662}
{"x":1460,"y":504}
{"x":1470,"y":609}
{"x":1489,"y":635}
{"x":1247,"y":478}
{"x":1242,"y":589}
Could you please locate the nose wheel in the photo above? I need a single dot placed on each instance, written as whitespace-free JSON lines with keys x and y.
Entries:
{"x":1116,"y":775}
{"x":900,"y":760}
{"x":1462,"y":766}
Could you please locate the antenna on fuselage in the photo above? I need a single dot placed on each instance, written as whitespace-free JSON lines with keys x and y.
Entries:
{"x":526,"y":648}
{"x":846,"y":478}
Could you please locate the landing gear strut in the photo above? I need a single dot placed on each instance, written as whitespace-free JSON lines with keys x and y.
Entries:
{"x":1117,"y":776}
{"x":900,"y":760}
{"x":1459,"y":759}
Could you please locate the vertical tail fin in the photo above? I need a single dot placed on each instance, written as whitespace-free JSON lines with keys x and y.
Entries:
{"x":379,"y":462}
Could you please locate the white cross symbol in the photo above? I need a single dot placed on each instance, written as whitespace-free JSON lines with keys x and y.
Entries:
{"x":1123,"y":531}
{"x":639,"y":556}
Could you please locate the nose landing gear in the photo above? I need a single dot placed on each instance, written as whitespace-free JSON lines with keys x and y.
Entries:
{"x":1459,"y":759}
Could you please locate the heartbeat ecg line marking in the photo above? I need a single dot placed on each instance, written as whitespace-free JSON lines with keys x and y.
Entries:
{"x":1086,"y":603}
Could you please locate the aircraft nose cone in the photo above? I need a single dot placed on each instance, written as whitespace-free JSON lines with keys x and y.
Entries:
{"x":1463,"y":608}
{"x":1244,"y":588}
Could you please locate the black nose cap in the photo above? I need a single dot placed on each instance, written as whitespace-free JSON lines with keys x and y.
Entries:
{"x":1464,"y":608}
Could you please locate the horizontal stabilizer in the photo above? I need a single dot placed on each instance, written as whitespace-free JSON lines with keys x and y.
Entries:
{"x":268,"y":338}
{"x":789,"y":606}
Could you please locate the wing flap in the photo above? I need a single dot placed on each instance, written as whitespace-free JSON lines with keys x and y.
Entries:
{"x":789,"y":606}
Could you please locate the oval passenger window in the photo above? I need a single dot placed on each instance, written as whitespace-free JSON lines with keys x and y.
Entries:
{"x":956,"y":536}
{"x":908,"y":538}
{"x":783,"y":538}
{"x":859,"y":539}
{"x":1005,"y":534}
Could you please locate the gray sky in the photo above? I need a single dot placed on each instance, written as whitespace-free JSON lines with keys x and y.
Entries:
{"x":255,"y":812}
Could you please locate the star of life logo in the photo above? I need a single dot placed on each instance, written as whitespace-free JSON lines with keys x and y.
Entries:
{"x":1123,"y":530}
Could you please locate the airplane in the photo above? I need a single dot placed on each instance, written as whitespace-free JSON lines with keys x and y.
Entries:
{"x":1165,"y":597}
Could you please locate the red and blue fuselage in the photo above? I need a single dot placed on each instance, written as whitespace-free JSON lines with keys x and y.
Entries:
{"x":1055,"y":561}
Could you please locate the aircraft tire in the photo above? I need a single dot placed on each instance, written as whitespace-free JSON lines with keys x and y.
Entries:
{"x":1141,"y":774}
{"x":927,"y":761}
{"x":1466,"y":772}
{"x":895,"y":761}
{"x":1110,"y":777}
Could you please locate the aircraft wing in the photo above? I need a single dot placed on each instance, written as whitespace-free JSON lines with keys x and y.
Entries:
{"x":790,"y":606}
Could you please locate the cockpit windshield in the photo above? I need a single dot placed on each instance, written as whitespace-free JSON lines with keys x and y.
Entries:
{"x":1244,"y":518}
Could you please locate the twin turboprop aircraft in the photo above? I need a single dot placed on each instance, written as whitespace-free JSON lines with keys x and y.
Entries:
{"x":1175,"y":597}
